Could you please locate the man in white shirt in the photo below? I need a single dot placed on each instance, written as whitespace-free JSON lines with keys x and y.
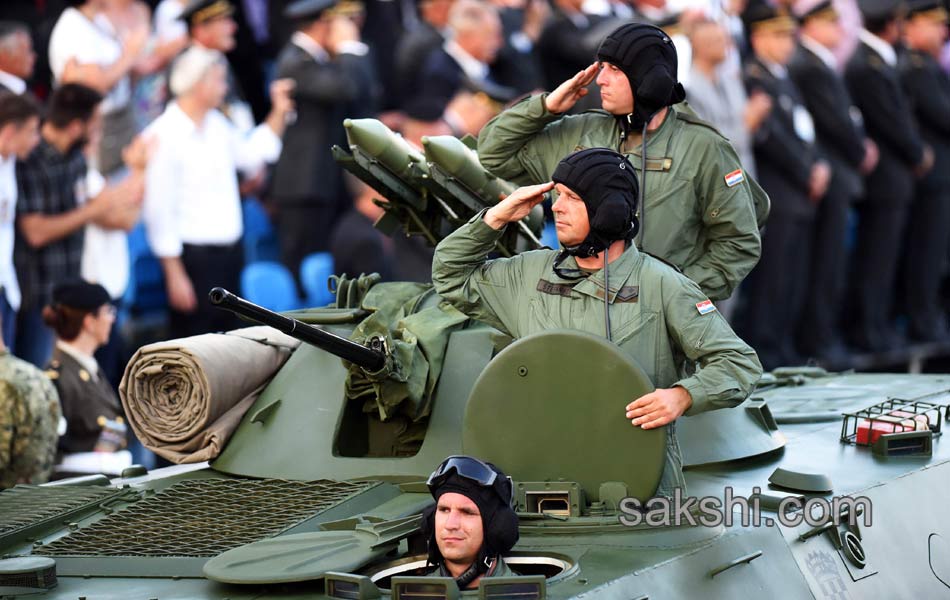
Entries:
{"x":192,"y":206}
{"x":16,"y":56}
{"x":19,"y":134}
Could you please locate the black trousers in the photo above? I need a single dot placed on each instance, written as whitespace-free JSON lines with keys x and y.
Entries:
{"x":775,"y":291}
{"x":819,"y":325}
{"x":305,"y":228}
{"x":867,"y":308}
{"x":927,"y":237}
{"x":208,"y":267}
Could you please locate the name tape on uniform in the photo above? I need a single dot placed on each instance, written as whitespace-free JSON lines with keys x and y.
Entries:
{"x":705,"y":307}
{"x":734,"y":178}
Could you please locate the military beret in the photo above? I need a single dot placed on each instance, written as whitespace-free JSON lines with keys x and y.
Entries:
{"x":932,"y":9}
{"x":879,"y":10}
{"x":302,"y":10}
{"x":762,"y":16}
{"x":78,"y":293}
{"x":816,"y":9}
{"x":202,"y":11}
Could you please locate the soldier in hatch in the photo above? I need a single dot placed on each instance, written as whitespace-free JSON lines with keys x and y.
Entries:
{"x":472,"y":525}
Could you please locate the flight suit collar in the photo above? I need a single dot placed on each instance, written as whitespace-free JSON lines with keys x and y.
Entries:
{"x":620,"y":274}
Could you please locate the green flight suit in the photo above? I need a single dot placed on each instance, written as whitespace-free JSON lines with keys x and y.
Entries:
{"x":657,"y":317}
{"x":29,"y":421}
{"x":702,"y":211}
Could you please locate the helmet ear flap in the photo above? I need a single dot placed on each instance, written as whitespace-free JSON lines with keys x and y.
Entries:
{"x":502,"y":533}
{"x":613,"y":217}
{"x":656,"y":88}
{"x":427,"y":529}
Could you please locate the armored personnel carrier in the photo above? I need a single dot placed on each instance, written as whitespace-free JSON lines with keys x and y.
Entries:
{"x":818,"y":486}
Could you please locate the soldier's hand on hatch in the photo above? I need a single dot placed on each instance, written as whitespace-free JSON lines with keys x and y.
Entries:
{"x":659,"y":407}
{"x":517,"y":205}
{"x":568,"y":93}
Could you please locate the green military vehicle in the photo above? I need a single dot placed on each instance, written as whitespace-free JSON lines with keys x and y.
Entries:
{"x":817,"y":486}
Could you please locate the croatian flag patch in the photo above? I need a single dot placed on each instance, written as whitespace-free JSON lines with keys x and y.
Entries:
{"x":734,"y":178}
{"x":705,"y":307}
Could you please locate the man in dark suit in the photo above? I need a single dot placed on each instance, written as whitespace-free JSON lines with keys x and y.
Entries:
{"x":873,"y":80}
{"x":327,"y":61}
{"x":928,"y":89}
{"x":418,"y":43}
{"x":476,"y":38}
{"x":840,"y":135}
{"x":565,"y":47}
{"x":795,"y":179}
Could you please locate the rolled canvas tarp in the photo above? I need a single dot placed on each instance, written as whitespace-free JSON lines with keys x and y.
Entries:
{"x":184,"y":398}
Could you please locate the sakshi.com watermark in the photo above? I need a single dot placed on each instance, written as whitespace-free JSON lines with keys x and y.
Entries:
{"x":732,"y":509}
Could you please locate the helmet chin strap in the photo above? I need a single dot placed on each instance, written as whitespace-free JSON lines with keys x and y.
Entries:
{"x":480,"y":566}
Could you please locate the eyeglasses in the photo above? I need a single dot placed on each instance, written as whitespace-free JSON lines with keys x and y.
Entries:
{"x":107,"y":310}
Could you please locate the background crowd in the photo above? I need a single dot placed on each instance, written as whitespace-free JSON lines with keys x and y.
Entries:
{"x":176,"y":131}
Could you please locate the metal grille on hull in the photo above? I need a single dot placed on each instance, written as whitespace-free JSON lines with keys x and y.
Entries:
{"x":205,"y":517}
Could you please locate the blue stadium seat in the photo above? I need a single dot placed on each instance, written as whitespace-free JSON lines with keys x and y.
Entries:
{"x":549,"y":235}
{"x":146,"y":290}
{"x":269,"y":284}
{"x":260,"y":239}
{"x":315,"y":269}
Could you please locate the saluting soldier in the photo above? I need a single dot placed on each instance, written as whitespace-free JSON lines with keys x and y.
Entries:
{"x":875,"y":86}
{"x":655,"y":314}
{"x":928,"y":89}
{"x":81,"y":315}
{"x":701,"y":210}
{"x":840,"y":136}
{"x":790,"y":170}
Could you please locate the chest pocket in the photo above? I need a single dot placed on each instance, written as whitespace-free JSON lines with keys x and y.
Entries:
{"x":539,"y":318}
{"x":638,"y":336}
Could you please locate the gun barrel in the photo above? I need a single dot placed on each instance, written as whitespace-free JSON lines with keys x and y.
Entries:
{"x":360,"y":355}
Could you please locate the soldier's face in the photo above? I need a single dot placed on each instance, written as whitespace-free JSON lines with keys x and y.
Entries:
{"x":570,"y":217}
{"x":217,"y":34}
{"x":925,"y":33}
{"x":826,"y":31}
{"x":458,"y":529}
{"x":775,"y":46}
{"x":100,"y":323}
{"x":616,"y":97}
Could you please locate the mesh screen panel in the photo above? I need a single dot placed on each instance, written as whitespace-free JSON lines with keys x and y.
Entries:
{"x":205,"y":517}
{"x":26,"y":505}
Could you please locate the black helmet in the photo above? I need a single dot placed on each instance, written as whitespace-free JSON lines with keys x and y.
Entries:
{"x":647,"y":56}
{"x":490,"y":489}
{"x":606,"y":182}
